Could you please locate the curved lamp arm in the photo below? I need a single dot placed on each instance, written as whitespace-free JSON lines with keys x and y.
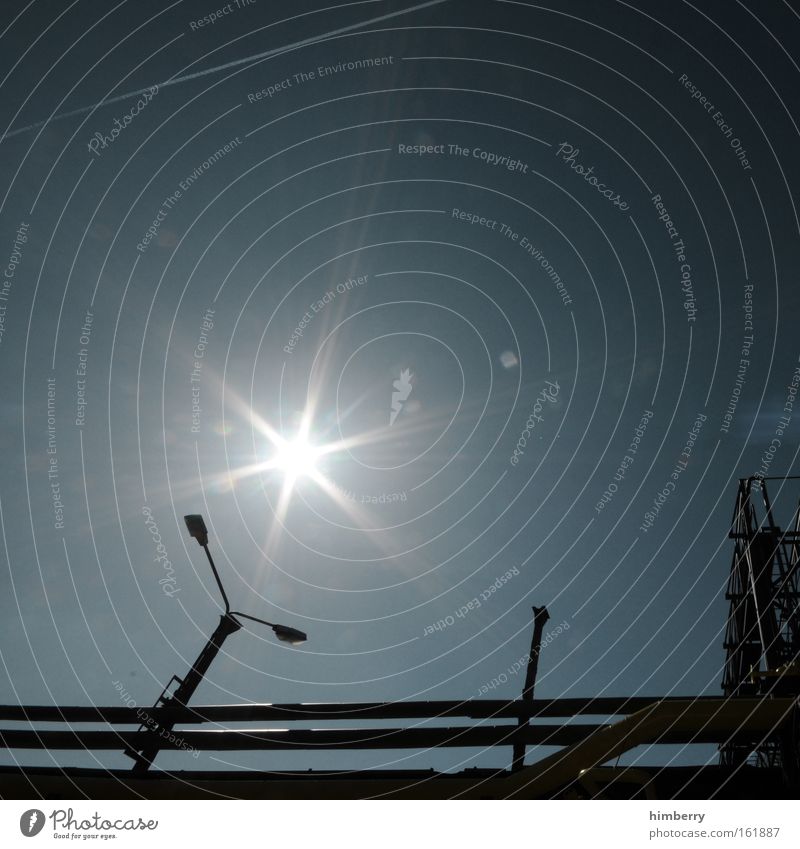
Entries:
{"x":197,"y":528}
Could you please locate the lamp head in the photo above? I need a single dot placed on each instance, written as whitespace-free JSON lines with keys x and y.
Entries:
{"x":197,"y":528}
{"x":289,"y":635}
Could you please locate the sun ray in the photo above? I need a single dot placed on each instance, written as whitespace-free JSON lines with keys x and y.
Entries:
{"x":296,"y":458}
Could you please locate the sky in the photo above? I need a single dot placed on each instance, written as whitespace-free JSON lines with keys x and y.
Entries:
{"x":522,"y":275}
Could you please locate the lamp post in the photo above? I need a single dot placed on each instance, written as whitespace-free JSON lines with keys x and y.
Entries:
{"x":540,"y":617}
{"x":150,"y":730}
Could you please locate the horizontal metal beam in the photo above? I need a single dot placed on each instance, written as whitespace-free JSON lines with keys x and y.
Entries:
{"x":470,"y":708}
{"x":344,"y":738}
{"x":729,"y":720}
{"x":698,"y":782}
{"x":306,"y":739}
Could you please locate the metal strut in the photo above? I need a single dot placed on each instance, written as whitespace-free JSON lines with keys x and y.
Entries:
{"x":540,"y":617}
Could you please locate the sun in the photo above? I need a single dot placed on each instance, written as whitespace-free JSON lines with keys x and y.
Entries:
{"x":294,"y":459}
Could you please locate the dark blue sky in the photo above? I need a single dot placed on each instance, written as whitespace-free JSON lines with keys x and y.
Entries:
{"x":540,"y":226}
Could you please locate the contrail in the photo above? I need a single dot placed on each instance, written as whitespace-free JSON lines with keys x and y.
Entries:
{"x":255,"y":58}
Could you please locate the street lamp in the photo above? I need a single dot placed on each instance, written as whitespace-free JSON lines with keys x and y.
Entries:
{"x":197,"y":529}
{"x":144,"y":753}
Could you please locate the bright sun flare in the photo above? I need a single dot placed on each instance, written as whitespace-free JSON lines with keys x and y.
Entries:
{"x":297,"y":458}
